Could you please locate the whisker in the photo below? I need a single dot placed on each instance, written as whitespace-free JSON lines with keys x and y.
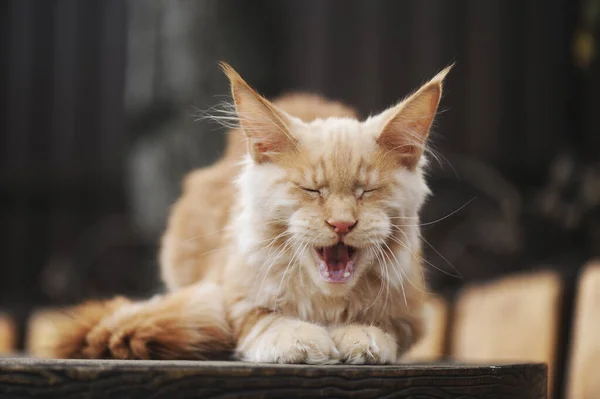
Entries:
{"x":227,"y":115}
{"x":396,"y":271}
{"x":274,"y":240}
{"x":419,"y":256}
{"x":378,"y":256}
{"x":213,"y":250}
{"x":404,"y":273}
{"x":440,"y":219}
{"x":271,"y":264}
{"x":205,"y":235}
{"x":440,"y":255}
{"x":387,"y":292}
{"x":387,"y":288}
{"x":290,"y":263}
{"x":381,"y":286}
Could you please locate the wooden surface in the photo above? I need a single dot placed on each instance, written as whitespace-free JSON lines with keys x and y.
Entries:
{"x":431,"y":346}
{"x":8,"y":334}
{"x":512,"y":319}
{"x":584,"y":366}
{"x":42,"y":329}
{"x":21,"y":378}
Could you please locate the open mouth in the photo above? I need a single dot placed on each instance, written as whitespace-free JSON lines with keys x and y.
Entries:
{"x":336,"y":263}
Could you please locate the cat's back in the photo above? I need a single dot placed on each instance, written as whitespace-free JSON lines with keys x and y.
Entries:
{"x":195,"y":240}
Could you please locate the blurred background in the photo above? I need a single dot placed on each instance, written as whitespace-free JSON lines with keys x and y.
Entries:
{"x":99,"y":98}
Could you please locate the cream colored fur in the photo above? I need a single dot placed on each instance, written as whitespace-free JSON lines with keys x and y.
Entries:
{"x":239,"y":257}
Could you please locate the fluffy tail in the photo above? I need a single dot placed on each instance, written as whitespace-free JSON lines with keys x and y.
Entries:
{"x":186,"y":324}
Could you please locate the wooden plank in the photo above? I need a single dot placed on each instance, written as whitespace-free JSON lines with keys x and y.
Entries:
{"x":8,"y":334}
{"x":513,"y":319}
{"x":584,"y":379}
{"x":185,"y":379}
{"x":431,"y":346}
{"x":41,"y":326}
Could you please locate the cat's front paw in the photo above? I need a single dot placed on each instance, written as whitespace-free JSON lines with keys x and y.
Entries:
{"x":365,"y":345}
{"x":291,"y":341}
{"x":117,"y":337}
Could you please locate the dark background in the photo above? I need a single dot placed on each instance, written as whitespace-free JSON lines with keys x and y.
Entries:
{"x":97,"y":125}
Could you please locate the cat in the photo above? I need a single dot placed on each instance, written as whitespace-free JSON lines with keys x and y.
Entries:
{"x":301,"y":245}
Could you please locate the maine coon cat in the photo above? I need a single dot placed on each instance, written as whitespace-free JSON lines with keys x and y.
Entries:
{"x":301,"y":245}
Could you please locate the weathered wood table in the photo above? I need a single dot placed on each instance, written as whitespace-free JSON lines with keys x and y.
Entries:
{"x":33,"y":378}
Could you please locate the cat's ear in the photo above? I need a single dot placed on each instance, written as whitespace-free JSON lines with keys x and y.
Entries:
{"x":266,"y":127}
{"x":406,"y":126}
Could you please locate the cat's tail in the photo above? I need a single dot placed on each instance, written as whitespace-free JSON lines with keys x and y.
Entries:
{"x":186,"y":324}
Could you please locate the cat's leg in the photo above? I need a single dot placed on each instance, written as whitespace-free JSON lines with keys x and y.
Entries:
{"x":368,"y":344}
{"x":186,"y":324}
{"x":272,"y":338}
{"x":66,"y":331}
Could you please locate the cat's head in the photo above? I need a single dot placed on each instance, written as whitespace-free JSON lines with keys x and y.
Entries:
{"x":338,"y":191}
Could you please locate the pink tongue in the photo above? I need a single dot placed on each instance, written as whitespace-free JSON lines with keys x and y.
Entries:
{"x":336,"y":257}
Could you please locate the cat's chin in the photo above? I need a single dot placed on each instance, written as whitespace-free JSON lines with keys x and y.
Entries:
{"x":336,"y":263}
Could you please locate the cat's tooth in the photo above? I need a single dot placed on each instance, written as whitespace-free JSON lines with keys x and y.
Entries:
{"x":347,"y":274}
{"x":326,"y":273}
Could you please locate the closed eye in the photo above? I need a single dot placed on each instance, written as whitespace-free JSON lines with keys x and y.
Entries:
{"x":361,"y":192}
{"x":310,"y":190}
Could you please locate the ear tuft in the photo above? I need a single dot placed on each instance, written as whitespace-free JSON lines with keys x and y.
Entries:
{"x":407,"y":124}
{"x":266,"y":127}
{"x":231,"y":73}
{"x":441,"y":75}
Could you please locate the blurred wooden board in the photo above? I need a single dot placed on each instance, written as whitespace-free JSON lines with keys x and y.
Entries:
{"x":8,"y":334}
{"x":514,"y":319}
{"x":584,"y":365}
{"x":169,"y":379}
{"x":41,"y":326}
{"x":431,"y":346}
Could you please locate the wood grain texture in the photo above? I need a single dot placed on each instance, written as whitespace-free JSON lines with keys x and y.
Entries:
{"x":512,"y":319}
{"x":23,"y":378}
{"x":584,"y":380}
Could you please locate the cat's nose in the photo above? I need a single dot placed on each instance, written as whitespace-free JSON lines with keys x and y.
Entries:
{"x":342,"y":226}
